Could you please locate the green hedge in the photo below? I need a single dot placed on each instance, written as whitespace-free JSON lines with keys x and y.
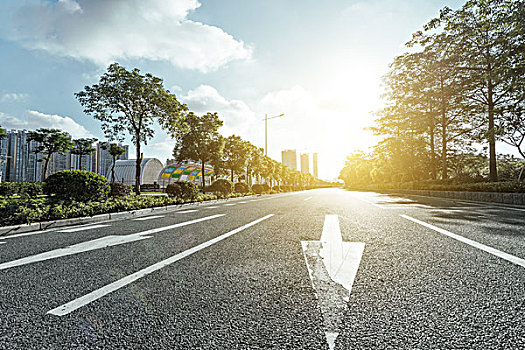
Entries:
{"x":22,"y":189}
{"x":78,"y":185}
{"x":242,"y":187}
{"x":120,"y":190}
{"x":15,"y":212}
{"x":182,"y":189}
{"x":449,"y":185}
{"x":222,"y":186}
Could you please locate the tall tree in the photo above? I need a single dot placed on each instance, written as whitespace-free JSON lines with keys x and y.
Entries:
{"x":127,"y":101}
{"x":114,"y":150}
{"x":50,"y":141}
{"x":235,"y":155}
{"x":201,"y":143}
{"x":254,"y":155}
{"x":83,"y":147}
{"x":489,"y":48}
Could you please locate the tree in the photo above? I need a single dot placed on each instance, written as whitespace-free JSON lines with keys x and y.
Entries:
{"x":2,"y":133}
{"x":253,"y":155}
{"x":82,"y":147}
{"x":114,"y":150}
{"x":202,"y":142}
{"x":488,"y":44}
{"x":50,"y":141}
{"x":130,"y":102}
{"x":235,"y":155}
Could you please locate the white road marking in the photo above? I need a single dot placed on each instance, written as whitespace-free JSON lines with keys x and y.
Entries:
{"x":243,"y":202}
{"x":230,"y":204}
{"x":212,"y":207}
{"x":331,"y":264}
{"x":187,"y":211}
{"x":83,"y":228}
{"x":99,"y":243}
{"x":99,"y":293}
{"x":370,"y":202}
{"x":149,"y":218}
{"x":493,"y":251}
{"x":2,"y":242}
{"x":307,"y":199}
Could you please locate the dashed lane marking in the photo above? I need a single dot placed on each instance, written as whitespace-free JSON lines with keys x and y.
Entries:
{"x":83,"y":228}
{"x":149,"y":218}
{"x":307,"y":199}
{"x":99,"y":243}
{"x":490,"y":250}
{"x":99,"y":293}
{"x":230,"y":204}
{"x":187,"y":211}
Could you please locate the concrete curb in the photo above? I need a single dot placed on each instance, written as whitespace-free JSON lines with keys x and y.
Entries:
{"x":45,"y":225}
{"x":490,"y":197}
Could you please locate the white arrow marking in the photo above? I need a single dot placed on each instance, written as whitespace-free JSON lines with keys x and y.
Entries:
{"x":99,"y":243}
{"x":332,"y":266}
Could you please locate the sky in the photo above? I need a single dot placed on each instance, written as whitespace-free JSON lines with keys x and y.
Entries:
{"x":318,"y":62}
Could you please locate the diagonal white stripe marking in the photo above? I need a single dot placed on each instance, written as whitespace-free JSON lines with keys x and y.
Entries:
{"x":493,"y":251}
{"x":95,"y":244}
{"x":212,"y":207}
{"x":307,"y":199}
{"x":99,"y":293}
{"x":231,"y":204}
{"x":187,"y":211}
{"x":83,"y":228}
{"x":149,"y":218}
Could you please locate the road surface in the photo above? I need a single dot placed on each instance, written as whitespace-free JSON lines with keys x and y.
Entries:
{"x":316,"y":269}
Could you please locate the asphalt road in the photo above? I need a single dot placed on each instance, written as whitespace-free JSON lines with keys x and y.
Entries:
{"x":256,"y":273}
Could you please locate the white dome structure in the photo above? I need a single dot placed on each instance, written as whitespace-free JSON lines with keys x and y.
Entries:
{"x":150,"y":169}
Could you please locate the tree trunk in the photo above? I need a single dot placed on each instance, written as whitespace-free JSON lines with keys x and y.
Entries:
{"x":202,"y":177}
{"x":231,"y":174}
{"x":80,"y":162}
{"x":493,"y":170}
{"x":444,"y":165}
{"x":46,"y":162}
{"x":432,"y":127}
{"x":113,"y":169}
{"x":137,"y":165}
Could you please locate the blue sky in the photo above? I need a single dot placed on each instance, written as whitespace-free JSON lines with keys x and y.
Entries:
{"x":319,"y":62}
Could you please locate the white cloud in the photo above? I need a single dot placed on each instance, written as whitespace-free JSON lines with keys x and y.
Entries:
{"x":35,"y":120}
{"x":237,"y":116}
{"x":13,"y":96}
{"x":104,"y":31}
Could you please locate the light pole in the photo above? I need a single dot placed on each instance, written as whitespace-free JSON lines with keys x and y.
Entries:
{"x":266,"y":131}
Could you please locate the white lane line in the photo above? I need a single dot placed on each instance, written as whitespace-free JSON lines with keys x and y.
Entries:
{"x":493,"y":251}
{"x":2,"y":242}
{"x":307,"y":199}
{"x":212,"y":207}
{"x":149,"y":218}
{"x":83,"y":228}
{"x":231,"y":204}
{"x":370,"y":202}
{"x":107,"y":289}
{"x":187,"y":211}
{"x":99,"y":243}
{"x":243,"y":202}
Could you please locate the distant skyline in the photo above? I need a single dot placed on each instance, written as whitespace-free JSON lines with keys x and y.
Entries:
{"x":319,"y":63}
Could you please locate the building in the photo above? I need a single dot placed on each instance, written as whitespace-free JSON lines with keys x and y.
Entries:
{"x":150,"y":168}
{"x":305,"y":163}
{"x":289,"y":158}
{"x":18,"y":161}
{"x":104,"y":160}
{"x":315,"y":168}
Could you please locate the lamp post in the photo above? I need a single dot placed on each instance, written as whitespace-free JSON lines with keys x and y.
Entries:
{"x":266,"y":131}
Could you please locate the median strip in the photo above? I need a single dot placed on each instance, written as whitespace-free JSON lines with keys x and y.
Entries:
{"x":511,"y":258}
{"x":99,"y":293}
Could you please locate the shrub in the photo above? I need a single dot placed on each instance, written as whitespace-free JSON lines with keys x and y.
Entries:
{"x":79,"y":185}
{"x":258,"y":188}
{"x":120,"y":190}
{"x":154,"y":186}
{"x":23,"y":189}
{"x":222,"y":186}
{"x":242,"y":187}
{"x":182,"y":189}
{"x":276,"y":189}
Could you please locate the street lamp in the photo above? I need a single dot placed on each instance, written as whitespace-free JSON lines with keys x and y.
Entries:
{"x":266,"y":131}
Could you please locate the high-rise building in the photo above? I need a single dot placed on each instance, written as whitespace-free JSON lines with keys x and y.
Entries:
{"x":289,"y":158}
{"x":305,"y":164}
{"x":18,"y":162}
{"x":315,"y":168}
